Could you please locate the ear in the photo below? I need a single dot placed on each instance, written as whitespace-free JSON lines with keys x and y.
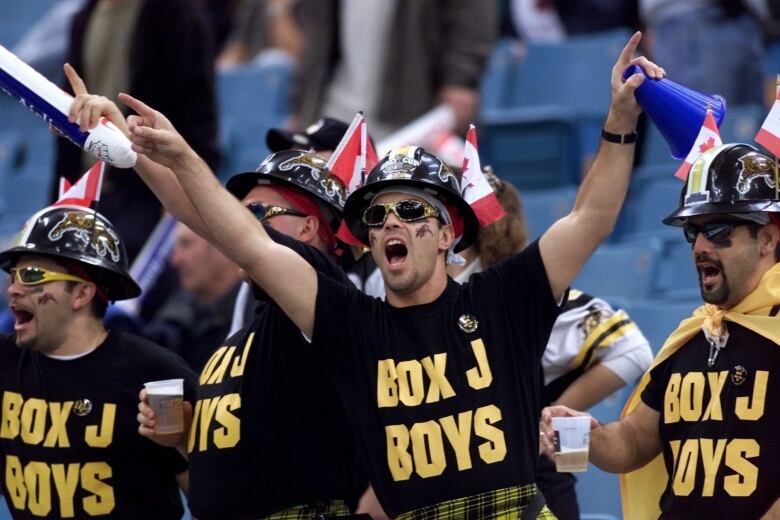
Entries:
{"x":309,"y":229}
{"x":83,"y":293}
{"x":768,"y":238}
{"x":446,"y":237}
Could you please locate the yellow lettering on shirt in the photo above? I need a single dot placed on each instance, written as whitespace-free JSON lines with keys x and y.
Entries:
{"x":237,"y":370}
{"x":691,"y":396}
{"x":11,"y":411}
{"x":752,"y":409}
{"x":428,"y":449}
{"x":480,"y":376}
{"x":102,"y":436}
{"x":746,"y":480}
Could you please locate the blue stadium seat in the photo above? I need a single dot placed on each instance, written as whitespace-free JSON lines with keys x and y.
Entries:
{"x":623,"y":270}
{"x":534,"y":150}
{"x":653,"y":195}
{"x":655,"y":149}
{"x":18,"y":17}
{"x":251,"y":100}
{"x":4,"y":513}
{"x":658,"y":318}
{"x":742,"y":123}
{"x":543,"y":207}
{"x":500,"y":72}
{"x":556,"y":102}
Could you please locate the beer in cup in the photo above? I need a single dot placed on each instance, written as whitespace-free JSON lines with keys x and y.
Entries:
{"x":571,"y":443}
{"x":166,"y":399}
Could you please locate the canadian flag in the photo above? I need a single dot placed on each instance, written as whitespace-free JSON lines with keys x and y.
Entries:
{"x":476,"y":190}
{"x":768,"y":135}
{"x":708,"y":137}
{"x":85,"y":191}
{"x":353,"y":158}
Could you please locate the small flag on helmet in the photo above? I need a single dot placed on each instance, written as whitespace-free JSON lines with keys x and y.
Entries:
{"x":85,"y":191}
{"x":768,"y":135}
{"x":351,"y":161}
{"x":708,"y":137}
{"x":475,"y":188}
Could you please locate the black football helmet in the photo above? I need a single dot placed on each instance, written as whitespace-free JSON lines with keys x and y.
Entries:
{"x":80,"y":235}
{"x":301,"y":170}
{"x":411,"y":166}
{"x":731,"y":178}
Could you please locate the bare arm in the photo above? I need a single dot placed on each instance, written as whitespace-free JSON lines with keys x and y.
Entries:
{"x":567,"y":245}
{"x":617,"y":447}
{"x":88,"y":109}
{"x":591,"y":388}
{"x":278,"y":270}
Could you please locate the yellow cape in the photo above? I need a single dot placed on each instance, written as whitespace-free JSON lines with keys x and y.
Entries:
{"x":641,"y":489}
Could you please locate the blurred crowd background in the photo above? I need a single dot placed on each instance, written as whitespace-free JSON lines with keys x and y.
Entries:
{"x":532,"y":74}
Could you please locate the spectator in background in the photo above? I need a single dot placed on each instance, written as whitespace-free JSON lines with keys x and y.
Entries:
{"x":582,"y":365}
{"x":714,"y":46}
{"x":196,"y":318}
{"x":260,"y":25}
{"x":161,"y":51}
{"x":393,"y":59}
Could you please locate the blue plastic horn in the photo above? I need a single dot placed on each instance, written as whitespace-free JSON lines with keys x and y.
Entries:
{"x":677,"y":111}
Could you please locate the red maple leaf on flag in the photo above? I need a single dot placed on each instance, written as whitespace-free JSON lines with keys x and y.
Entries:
{"x":706,"y":145}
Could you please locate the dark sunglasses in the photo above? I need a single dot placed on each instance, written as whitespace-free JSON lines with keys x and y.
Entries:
{"x":714,"y":231}
{"x":406,"y":211}
{"x":37,"y":275}
{"x":263,"y":211}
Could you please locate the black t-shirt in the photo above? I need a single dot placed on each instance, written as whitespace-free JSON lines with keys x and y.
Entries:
{"x":444,"y":397}
{"x":719,"y":427}
{"x":69,"y":437}
{"x":269,"y":431}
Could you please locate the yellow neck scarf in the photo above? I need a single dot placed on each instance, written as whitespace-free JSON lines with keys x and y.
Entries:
{"x":641,"y":489}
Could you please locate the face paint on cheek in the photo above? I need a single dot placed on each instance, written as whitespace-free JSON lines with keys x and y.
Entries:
{"x":371,"y":240}
{"x":722,"y":244}
{"x":46,"y":298}
{"x":423,"y":230}
{"x":35,"y":290}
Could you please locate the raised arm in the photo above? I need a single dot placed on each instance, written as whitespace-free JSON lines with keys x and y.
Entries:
{"x":87,"y":110}
{"x":278,"y":270}
{"x":569,"y":242}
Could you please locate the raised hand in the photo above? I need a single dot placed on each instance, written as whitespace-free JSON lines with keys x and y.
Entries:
{"x":146,"y":423}
{"x":153,"y":135}
{"x":88,"y":109}
{"x":623,"y":100}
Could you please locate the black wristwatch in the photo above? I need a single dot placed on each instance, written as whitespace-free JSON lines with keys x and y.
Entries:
{"x":619,"y":138}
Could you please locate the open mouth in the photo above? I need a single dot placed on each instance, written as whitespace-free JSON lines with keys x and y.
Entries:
{"x":21,"y":317}
{"x":395,"y":252}
{"x":708,"y":274}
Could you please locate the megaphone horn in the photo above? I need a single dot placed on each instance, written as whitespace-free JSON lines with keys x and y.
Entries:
{"x":676,"y":110}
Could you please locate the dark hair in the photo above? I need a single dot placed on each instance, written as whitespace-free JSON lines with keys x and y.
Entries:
{"x":753,"y":229}
{"x":508,"y":235}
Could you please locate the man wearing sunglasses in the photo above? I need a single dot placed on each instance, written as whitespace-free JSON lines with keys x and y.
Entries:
{"x":706,"y":409}
{"x":68,"y":437}
{"x":269,"y":436}
{"x":441,"y":381}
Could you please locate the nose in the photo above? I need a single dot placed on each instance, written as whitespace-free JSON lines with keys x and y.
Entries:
{"x":701,"y":244}
{"x":392,"y":220}
{"x":14,"y":287}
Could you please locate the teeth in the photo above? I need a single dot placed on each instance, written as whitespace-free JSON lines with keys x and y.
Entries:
{"x":394,"y":242}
